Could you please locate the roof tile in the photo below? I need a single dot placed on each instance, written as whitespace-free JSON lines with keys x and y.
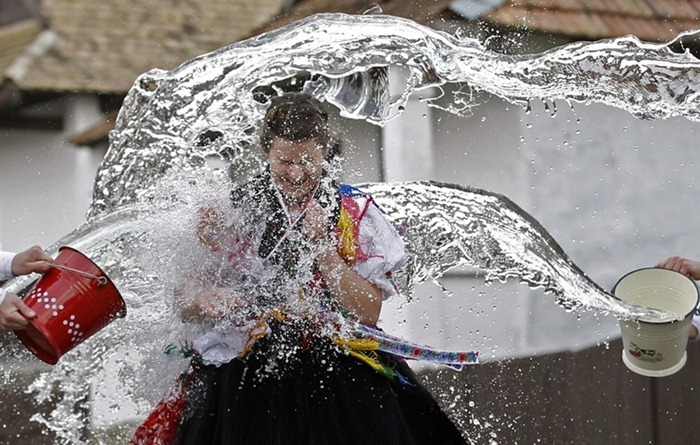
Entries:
{"x":104,"y":46}
{"x":14,"y":38}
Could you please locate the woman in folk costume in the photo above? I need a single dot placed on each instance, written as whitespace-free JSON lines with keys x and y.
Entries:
{"x":300,"y":361}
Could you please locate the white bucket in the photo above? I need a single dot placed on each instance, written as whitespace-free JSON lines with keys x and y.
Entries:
{"x":656,"y":348}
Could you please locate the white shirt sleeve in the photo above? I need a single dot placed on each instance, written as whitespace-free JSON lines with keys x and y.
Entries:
{"x":383,"y":250}
{"x":696,"y":323}
{"x":6,"y":265}
{"x":5,"y":269}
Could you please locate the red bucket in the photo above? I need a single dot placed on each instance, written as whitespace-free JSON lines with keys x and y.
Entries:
{"x":73,"y":300}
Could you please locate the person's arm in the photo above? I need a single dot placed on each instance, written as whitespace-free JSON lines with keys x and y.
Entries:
{"x":359,"y":297}
{"x":14,"y":314}
{"x":685,"y":266}
{"x":5,"y":273}
{"x":31,"y":260}
{"x":6,"y":265}
{"x":689,"y":268}
{"x":355,"y":294}
{"x":214,"y":302}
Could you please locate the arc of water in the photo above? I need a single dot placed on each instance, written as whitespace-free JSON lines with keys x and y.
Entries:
{"x":485,"y":230}
{"x":168,"y":117}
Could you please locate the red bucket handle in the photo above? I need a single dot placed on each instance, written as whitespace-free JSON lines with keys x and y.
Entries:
{"x":101,"y":281}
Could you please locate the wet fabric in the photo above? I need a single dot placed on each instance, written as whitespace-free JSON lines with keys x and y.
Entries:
{"x":297,"y":383}
{"x":365,"y":240}
{"x":298,"y":388}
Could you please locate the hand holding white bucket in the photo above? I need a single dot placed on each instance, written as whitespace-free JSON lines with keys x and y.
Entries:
{"x":651,"y":347}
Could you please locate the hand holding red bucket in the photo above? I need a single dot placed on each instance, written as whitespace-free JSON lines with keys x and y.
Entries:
{"x":73,"y":300}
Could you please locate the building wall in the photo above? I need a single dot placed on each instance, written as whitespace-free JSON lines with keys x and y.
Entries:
{"x":46,"y":183}
{"x":616,"y":192}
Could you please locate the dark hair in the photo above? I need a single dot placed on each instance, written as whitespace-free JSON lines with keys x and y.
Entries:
{"x":295,"y":117}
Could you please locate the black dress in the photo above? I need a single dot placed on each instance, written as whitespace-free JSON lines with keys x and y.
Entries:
{"x":313,"y":395}
{"x":297,"y":387}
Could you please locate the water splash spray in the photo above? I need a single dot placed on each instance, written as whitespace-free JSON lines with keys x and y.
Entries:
{"x":154,"y":175}
{"x":207,"y":107}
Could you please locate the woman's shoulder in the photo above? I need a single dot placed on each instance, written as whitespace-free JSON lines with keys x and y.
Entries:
{"x":350,"y":191}
{"x":364,"y":210}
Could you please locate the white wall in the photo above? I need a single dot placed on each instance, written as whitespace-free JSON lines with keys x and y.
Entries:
{"x":616,"y":192}
{"x":45,"y":183}
{"x":627,"y":191}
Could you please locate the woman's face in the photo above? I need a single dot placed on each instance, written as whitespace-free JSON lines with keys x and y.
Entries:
{"x":296,"y":168}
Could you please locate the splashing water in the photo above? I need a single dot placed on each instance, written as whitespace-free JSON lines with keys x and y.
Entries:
{"x":206,"y":107}
{"x":154,"y":177}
